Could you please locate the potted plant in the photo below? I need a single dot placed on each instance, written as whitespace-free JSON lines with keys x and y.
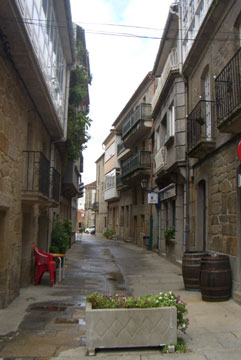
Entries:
{"x":109,"y":234}
{"x":119,"y":320}
{"x":169,"y":235}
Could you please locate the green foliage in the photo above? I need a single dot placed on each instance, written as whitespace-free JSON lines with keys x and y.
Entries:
{"x":103,"y":301}
{"x":169,"y":234}
{"x":59,"y":238}
{"x":109,"y":233}
{"x":180,"y":347}
{"x":78,"y":119}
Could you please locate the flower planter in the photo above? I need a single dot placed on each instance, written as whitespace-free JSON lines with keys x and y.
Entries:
{"x":125,"y":328}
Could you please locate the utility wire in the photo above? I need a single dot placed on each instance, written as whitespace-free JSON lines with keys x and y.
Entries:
{"x":53,"y":24}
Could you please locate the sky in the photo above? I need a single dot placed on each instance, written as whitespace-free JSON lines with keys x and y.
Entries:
{"x":118,"y":64}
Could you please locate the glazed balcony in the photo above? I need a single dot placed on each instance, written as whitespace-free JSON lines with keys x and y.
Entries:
{"x":228,"y":96}
{"x":170,"y":67}
{"x":111,"y":192}
{"x":36,"y":177}
{"x":136,"y":167}
{"x":137,"y":126}
{"x":200,"y":129}
{"x":71,"y":180}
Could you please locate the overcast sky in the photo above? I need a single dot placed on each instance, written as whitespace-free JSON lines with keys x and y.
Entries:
{"x":118,"y":64}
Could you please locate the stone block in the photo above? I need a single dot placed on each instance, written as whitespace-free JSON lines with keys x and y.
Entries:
{"x":123,"y":328}
{"x":226,"y":186}
{"x":228,"y":229}
{"x":4,"y":143}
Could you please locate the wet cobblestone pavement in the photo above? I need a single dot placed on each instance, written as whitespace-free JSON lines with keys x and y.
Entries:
{"x":53,"y":326}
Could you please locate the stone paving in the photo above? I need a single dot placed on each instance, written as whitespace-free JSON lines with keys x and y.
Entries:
{"x":49,"y":323}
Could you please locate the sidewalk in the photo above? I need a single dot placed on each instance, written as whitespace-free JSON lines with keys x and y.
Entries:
{"x":28,"y":330}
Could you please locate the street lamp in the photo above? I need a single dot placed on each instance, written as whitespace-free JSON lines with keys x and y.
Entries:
{"x":144,"y":183}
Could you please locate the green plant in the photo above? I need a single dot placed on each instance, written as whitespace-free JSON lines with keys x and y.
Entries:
{"x":59,"y":238}
{"x":169,"y":234}
{"x":67,"y":224}
{"x":109,"y":233}
{"x":180,"y":347}
{"x":103,"y":301}
{"x":78,"y":119}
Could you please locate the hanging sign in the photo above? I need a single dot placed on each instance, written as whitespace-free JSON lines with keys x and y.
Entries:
{"x":152,"y":197}
{"x":239,"y":151}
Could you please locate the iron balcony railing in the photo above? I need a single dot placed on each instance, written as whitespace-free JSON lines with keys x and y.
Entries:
{"x":54,"y":184}
{"x":142,"y":112}
{"x":119,"y":181}
{"x":199,"y":126}
{"x":227,"y":87}
{"x":120,"y":148}
{"x":142,"y":159}
{"x":36,"y":173}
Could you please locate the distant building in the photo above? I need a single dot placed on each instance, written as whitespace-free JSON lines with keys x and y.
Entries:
{"x":81,"y":219}
{"x":90,"y":204}
{"x":101,"y":204}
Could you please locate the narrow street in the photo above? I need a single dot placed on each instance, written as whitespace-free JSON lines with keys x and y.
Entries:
{"x":46,"y":322}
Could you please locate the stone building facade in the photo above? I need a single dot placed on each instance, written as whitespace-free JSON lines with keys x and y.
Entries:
{"x":169,"y":169}
{"x":101,"y":204}
{"x":90,"y":204}
{"x":132,"y":128}
{"x":33,"y":117}
{"x":213,"y":133}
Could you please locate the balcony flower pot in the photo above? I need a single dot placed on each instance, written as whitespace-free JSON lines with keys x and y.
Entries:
{"x":131,"y":327}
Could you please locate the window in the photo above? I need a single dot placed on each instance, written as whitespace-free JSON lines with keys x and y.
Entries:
{"x":110,"y":151}
{"x":171,"y":120}
{"x":157,"y":139}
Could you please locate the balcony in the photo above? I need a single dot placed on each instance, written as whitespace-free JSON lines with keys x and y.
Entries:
{"x":36,"y":177}
{"x":70,"y":185}
{"x":111,"y":192}
{"x":170,"y":67}
{"x":137,"y":126}
{"x":228,"y":96}
{"x":122,"y":152}
{"x":160,"y":159}
{"x":136,"y":166}
{"x":120,"y":148}
{"x":200,"y":130}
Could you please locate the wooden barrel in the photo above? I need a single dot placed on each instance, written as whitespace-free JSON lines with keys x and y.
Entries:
{"x":216,"y":278}
{"x":191,"y":266}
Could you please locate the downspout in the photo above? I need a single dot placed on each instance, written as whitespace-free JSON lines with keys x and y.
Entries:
{"x":180,"y":57}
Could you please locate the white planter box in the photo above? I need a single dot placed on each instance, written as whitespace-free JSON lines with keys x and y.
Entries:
{"x":123,"y":328}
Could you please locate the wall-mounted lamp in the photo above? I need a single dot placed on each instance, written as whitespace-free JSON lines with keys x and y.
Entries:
{"x":144,"y":183}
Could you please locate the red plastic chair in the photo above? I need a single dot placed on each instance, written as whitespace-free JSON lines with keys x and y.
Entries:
{"x":44,"y":262}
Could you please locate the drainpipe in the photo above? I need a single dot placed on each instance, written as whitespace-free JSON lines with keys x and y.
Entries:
{"x":180,"y":57}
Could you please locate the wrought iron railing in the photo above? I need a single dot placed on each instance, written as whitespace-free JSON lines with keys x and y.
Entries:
{"x":119,"y":181}
{"x":199,"y":126}
{"x":120,"y":148}
{"x":142,"y":112}
{"x":54,"y":184}
{"x":142,"y":159}
{"x":228,"y":87}
{"x":36,"y":173}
